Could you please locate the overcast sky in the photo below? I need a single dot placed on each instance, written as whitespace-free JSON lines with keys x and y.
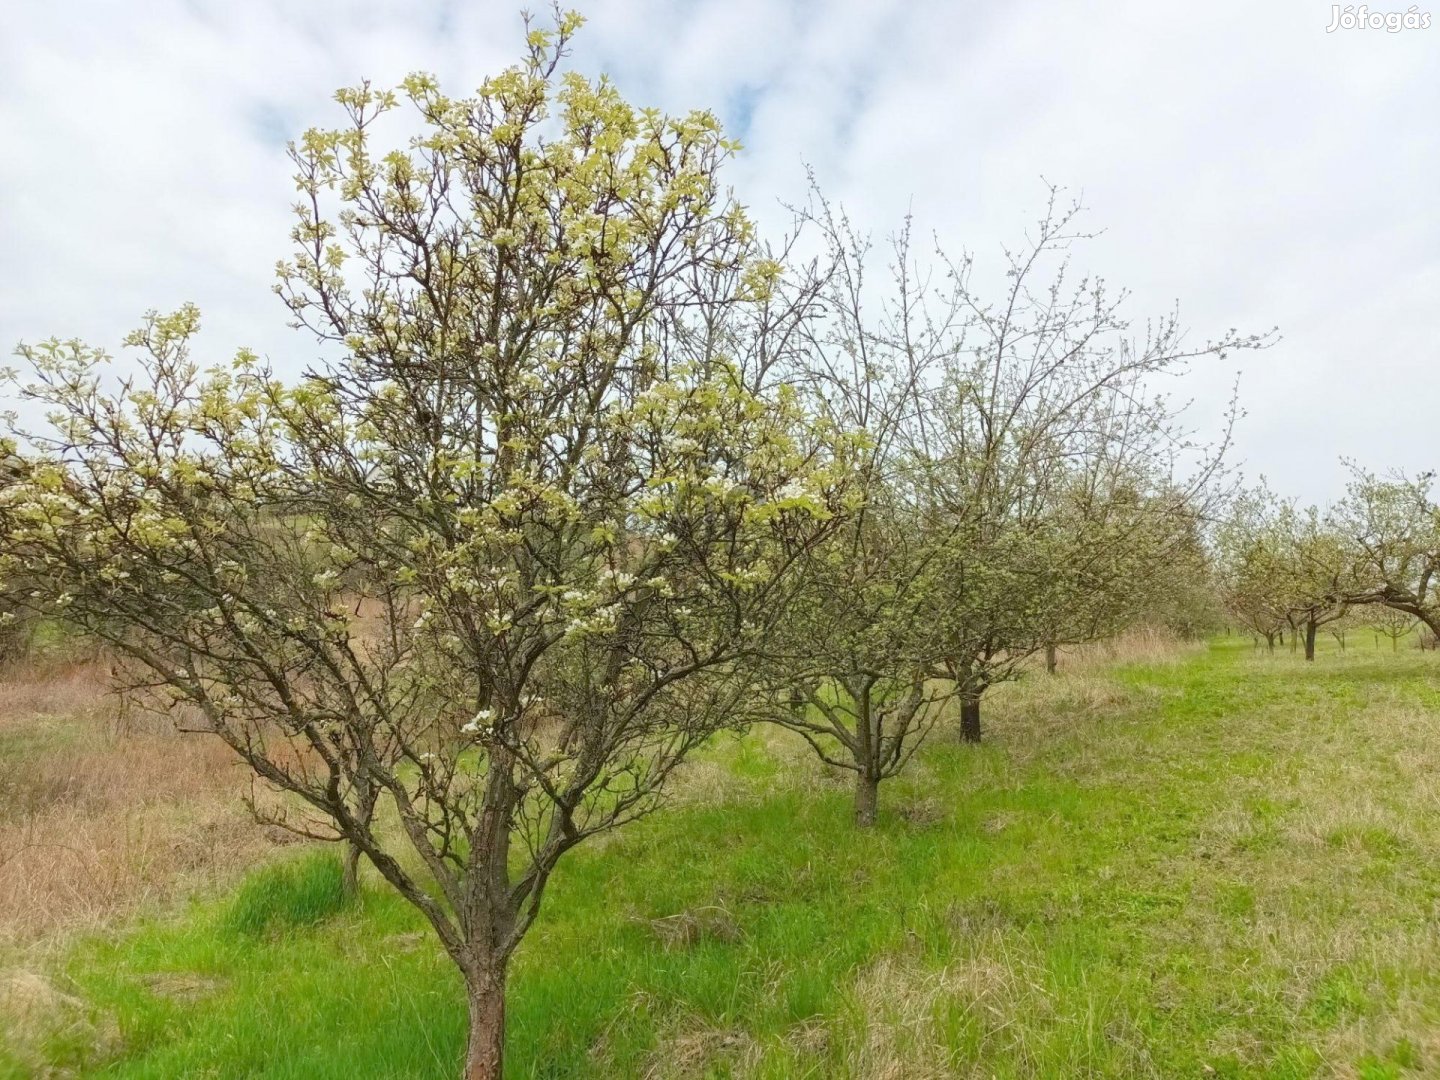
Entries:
{"x":1240,"y":159}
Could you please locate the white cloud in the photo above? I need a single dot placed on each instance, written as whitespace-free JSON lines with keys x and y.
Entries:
{"x":1238,"y":158}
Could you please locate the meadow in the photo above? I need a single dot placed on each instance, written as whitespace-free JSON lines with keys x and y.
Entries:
{"x":1165,"y":861}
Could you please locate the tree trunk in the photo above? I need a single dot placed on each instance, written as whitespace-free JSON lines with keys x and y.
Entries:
{"x":485,"y":1051}
{"x":970,"y":718}
{"x":867,"y":794}
{"x":1433,"y":622}
{"x":492,"y":926}
{"x":1310,"y":629}
{"x":1050,"y":660}
{"x":350,"y":879}
{"x":365,"y":811}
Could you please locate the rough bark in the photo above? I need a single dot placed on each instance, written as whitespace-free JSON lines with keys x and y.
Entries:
{"x":970,"y":718}
{"x":485,"y":1051}
{"x":867,"y":793}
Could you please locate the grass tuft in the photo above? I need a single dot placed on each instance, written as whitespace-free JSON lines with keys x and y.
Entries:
{"x":295,"y":893}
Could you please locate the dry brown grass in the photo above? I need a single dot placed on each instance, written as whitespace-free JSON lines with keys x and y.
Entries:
{"x":909,"y":1011}
{"x":688,"y":928}
{"x":38,"y":1015}
{"x":1138,"y":645}
{"x":104,"y":811}
{"x":696,"y":1049}
{"x":59,"y":689}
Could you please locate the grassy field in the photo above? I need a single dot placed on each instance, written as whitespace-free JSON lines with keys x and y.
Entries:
{"x":1208,"y":863}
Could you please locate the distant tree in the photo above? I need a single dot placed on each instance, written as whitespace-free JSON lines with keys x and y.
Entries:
{"x":1318,"y":564}
{"x":1390,"y":623}
{"x":1282,"y":566}
{"x":1018,"y":490}
{"x":1063,"y":483}
{"x":510,"y":557}
{"x":1184,"y":599}
{"x":853,"y":659}
{"x":1340,"y":629}
{"x":859,"y":681}
{"x":1392,"y":525}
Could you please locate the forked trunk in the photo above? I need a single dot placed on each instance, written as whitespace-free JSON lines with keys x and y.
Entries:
{"x":867,"y":795}
{"x":1310,"y":629}
{"x":970,"y":718}
{"x":485,"y":1051}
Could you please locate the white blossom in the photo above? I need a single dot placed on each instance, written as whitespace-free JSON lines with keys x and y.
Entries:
{"x":482,"y":723}
{"x":618,"y":578}
{"x":793,"y":489}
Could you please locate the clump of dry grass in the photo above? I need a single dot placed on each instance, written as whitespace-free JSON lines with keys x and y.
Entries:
{"x":903,"y":1007}
{"x":989,"y":1003}
{"x":103,"y":811}
{"x":688,"y":928}
{"x":182,"y":985}
{"x":39,"y":1017}
{"x":695,"y":1048}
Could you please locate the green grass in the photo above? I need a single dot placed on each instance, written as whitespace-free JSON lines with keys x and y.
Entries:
{"x":1224,"y":866}
{"x":298,"y":893}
